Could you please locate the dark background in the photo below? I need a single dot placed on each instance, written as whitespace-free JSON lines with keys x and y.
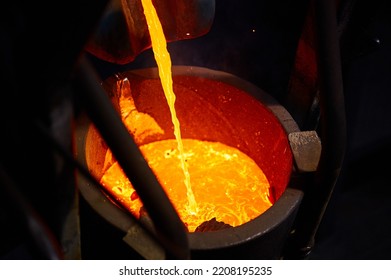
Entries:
{"x":356,"y":224}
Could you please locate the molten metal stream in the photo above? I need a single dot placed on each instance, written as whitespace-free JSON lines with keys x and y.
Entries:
{"x":163,"y":60}
{"x":227,"y":187}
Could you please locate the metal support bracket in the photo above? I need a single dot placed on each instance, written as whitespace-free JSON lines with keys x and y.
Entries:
{"x":306,"y":148}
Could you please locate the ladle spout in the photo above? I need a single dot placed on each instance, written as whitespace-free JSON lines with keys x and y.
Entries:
{"x":123,"y":33}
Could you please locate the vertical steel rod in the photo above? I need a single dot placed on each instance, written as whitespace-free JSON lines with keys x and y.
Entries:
{"x":332,"y":131}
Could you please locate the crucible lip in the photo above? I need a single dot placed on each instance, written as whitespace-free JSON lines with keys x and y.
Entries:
{"x":285,"y":206}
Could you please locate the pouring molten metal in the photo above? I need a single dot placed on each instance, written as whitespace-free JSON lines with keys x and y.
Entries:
{"x":207,"y":180}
